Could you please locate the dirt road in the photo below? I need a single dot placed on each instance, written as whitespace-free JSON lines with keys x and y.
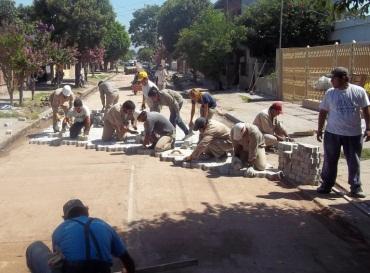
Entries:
{"x":166,"y":213}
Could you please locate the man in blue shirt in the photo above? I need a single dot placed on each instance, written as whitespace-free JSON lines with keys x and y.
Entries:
{"x":86,"y":244}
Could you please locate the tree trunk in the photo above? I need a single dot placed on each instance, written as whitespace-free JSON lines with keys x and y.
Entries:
{"x":77,"y":72}
{"x":86,"y":68}
{"x":105,"y":66}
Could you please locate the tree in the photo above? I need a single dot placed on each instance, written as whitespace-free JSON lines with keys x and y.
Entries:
{"x":145,"y":54}
{"x":82,"y":24}
{"x":304,"y":23}
{"x":356,"y":7}
{"x":131,"y":54}
{"x":175,"y":15}
{"x":144,"y":26}
{"x":8,"y":12}
{"x":207,"y":43}
{"x":116,"y":43}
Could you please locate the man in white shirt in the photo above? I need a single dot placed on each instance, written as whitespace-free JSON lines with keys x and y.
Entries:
{"x":342,"y":106}
{"x":161,"y":76}
{"x":146,"y":86}
{"x":81,"y":119}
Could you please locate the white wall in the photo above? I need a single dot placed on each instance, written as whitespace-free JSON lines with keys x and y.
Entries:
{"x":348,"y":30}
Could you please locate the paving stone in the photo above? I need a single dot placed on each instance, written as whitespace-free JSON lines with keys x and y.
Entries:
{"x":9,"y":132}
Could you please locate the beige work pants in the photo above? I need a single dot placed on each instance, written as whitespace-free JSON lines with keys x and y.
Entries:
{"x":109,"y":130}
{"x":55,"y":116}
{"x":111,"y":100}
{"x":164,"y":143}
{"x":219,"y":147}
{"x":260,"y":162}
{"x":211,"y":112}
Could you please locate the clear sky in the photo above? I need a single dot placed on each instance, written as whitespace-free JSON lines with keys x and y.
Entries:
{"x":123,"y":8}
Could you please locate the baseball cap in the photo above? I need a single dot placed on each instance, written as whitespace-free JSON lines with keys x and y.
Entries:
{"x":67,"y":91}
{"x":237,"y":131}
{"x":71,"y":204}
{"x":278,"y":106}
{"x":142,"y":75}
{"x":199,"y":123}
{"x":339,"y":72}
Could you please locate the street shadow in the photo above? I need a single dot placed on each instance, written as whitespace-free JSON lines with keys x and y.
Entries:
{"x":244,"y":237}
{"x":284,"y":195}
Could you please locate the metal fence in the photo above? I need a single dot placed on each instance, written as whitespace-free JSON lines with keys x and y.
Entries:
{"x":300,"y":68}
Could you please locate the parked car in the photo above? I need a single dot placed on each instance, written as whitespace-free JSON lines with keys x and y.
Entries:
{"x":130,"y":67}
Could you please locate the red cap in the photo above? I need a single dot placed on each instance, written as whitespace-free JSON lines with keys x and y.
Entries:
{"x":278,"y":106}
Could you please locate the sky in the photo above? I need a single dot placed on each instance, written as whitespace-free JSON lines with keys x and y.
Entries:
{"x":123,"y":8}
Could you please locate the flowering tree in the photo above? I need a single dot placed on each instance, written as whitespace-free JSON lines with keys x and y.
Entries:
{"x":93,"y":58}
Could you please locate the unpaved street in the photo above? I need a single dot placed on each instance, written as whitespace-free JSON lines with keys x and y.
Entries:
{"x":167,"y":213}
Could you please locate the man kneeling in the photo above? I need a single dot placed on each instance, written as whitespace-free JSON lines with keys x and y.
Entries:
{"x":81,"y":115}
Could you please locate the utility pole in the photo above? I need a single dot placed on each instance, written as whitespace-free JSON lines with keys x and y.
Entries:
{"x":281,"y":23}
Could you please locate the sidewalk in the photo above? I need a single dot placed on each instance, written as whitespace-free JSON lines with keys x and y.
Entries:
{"x":19,"y":128}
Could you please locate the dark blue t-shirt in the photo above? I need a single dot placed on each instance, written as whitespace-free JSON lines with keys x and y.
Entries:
{"x":69,"y":238}
{"x":207,"y":99}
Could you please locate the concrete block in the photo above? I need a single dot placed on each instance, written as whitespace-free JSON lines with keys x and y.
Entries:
{"x":186,"y":165}
{"x":9,"y":132}
{"x":90,"y":146}
{"x":286,"y":146}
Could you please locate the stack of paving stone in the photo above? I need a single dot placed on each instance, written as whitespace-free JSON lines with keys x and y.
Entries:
{"x":300,"y":163}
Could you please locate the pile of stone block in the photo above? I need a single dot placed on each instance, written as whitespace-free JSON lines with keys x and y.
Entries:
{"x":300,"y":163}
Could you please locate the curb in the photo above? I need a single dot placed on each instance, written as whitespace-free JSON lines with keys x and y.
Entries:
{"x":6,"y":143}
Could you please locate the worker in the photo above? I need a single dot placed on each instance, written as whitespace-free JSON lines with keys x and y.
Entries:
{"x":174,"y":101}
{"x":80,"y":244}
{"x":207,"y":102}
{"x":57,"y":100}
{"x":80,"y":114}
{"x":161,"y":77}
{"x":158,"y":131}
{"x":214,"y":140}
{"x":248,"y":146}
{"x":117,"y":120}
{"x":108,"y":95}
{"x":272,"y":129}
{"x":146,"y":86}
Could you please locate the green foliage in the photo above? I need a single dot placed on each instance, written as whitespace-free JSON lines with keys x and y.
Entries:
{"x":143,"y":26}
{"x":130,"y":55}
{"x":145,"y":54}
{"x":208,"y":42}
{"x":355,"y":7}
{"x":8,"y":12}
{"x":304,"y":23}
{"x":116,"y":42}
{"x":175,"y":15}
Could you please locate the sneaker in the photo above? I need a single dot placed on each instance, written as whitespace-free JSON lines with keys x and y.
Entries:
{"x":323,"y":190}
{"x":357,"y":193}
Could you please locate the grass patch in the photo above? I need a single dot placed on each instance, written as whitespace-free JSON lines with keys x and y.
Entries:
{"x":9,"y":114}
{"x":365,"y":155}
{"x":245,"y":99}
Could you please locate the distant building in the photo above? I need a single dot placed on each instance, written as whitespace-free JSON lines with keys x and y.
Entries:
{"x":233,"y":7}
{"x":346,"y":31}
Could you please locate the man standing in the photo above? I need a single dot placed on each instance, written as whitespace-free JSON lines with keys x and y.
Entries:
{"x":108,"y":95}
{"x":146,"y":86}
{"x":271,"y":128}
{"x":58,"y":99}
{"x":214,"y":140}
{"x":118,"y":119}
{"x":249,"y":145}
{"x":341,"y":107}
{"x":158,"y":131}
{"x":174,"y":101}
{"x":161,"y":76}
{"x":81,"y":244}
{"x":81,"y":115}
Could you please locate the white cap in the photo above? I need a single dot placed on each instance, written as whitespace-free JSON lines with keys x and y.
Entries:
{"x":136,"y":114}
{"x":67,"y":91}
{"x":237,"y":131}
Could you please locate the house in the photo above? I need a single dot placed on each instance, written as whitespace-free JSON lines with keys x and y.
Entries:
{"x":345,"y":31}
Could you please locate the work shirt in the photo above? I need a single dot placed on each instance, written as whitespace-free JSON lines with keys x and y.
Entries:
{"x":214,"y":130}
{"x":58,"y":99}
{"x":206,"y":98}
{"x":69,"y":238}
{"x":172,"y":99}
{"x":117,"y":118}
{"x":147,"y":87}
{"x":161,"y":75}
{"x":79,"y":116}
{"x":158,"y":124}
{"x":343,"y":107}
{"x":265,"y":123}
{"x":107,"y":90}
{"x":250,"y":142}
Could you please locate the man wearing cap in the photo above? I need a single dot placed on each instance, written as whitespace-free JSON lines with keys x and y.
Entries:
{"x":108,"y":95}
{"x":174,"y":101}
{"x":117,"y":120}
{"x":158,"y":131}
{"x":80,"y":244}
{"x":214,"y":140}
{"x":341,"y":107}
{"x":146,"y":86}
{"x":80,"y":114}
{"x":58,"y":99}
{"x":249,"y":145}
{"x":270,"y":127}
